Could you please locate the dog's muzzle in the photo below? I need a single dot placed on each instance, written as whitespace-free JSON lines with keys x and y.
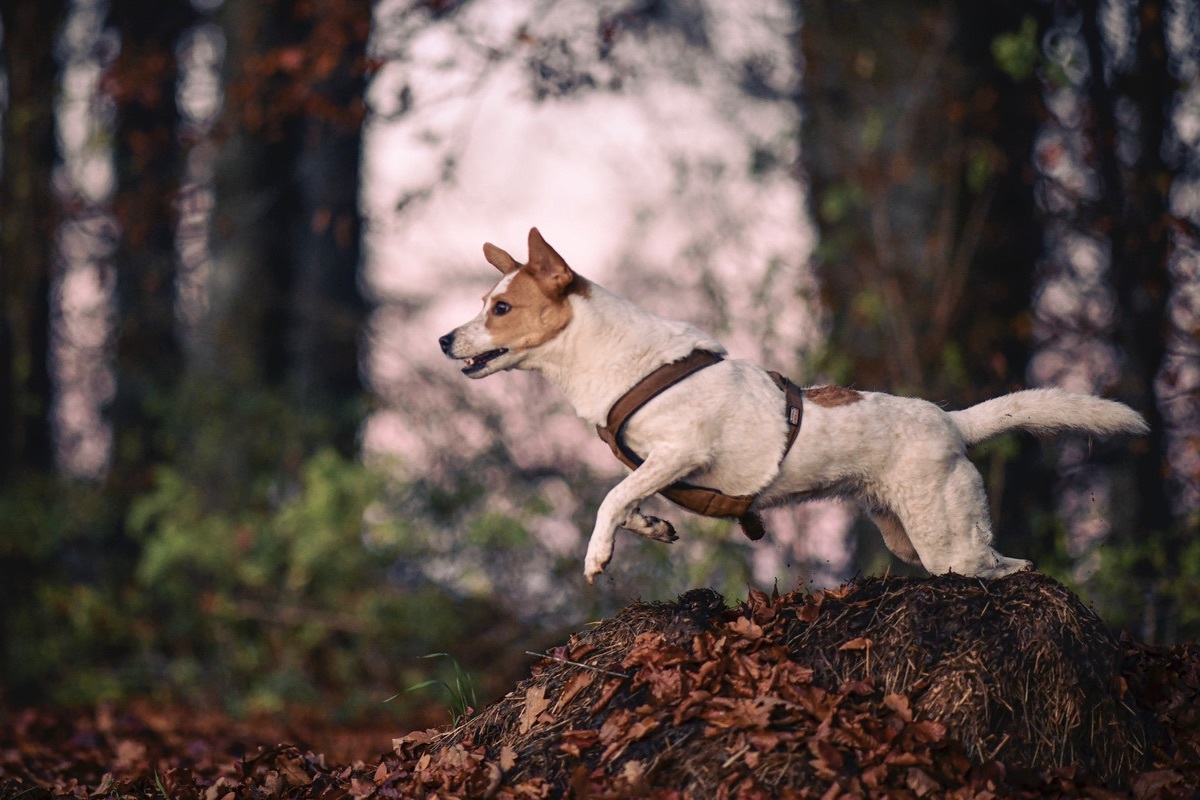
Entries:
{"x":473,"y":364}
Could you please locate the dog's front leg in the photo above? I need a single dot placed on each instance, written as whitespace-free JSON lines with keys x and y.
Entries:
{"x":659,"y":469}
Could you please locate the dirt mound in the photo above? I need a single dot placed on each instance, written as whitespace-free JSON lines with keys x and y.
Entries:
{"x":1017,"y":670}
{"x":898,"y":687}
{"x":937,"y":687}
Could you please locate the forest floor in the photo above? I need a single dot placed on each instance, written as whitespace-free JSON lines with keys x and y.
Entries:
{"x":887,"y":687}
{"x":143,"y":750}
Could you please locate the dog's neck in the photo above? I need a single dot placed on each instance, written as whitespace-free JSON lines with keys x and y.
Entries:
{"x":609,"y":345}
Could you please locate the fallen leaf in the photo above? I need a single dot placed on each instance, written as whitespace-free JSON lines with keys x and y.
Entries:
{"x":293,"y":770}
{"x":919,"y":781}
{"x":747,"y":629}
{"x":610,"y":689}
{"x":899,"y":703}
{"x":857,"y":644}
{"x":535,"y":704}
{"x":575,"y":742}
{"x":929,"y":731}
{"x":633,"y":771}
{"x":1151,"y":784}
{"x":579,"y":682}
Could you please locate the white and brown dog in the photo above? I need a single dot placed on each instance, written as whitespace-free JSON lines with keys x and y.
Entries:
{"x":903,"y":459}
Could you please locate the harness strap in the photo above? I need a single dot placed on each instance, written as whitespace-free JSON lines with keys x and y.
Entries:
{"x":698,"y":499}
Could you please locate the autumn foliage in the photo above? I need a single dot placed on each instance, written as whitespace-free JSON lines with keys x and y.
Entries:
{"x":935,"y":687}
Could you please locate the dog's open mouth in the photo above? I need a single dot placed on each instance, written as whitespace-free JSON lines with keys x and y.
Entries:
{"x":476,"y":363}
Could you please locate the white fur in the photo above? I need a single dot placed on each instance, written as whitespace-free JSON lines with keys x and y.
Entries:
{"x":903,"y":459}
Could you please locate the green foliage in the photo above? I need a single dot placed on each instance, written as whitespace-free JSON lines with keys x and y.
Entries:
{"x":463,"y":701}
{"x":1018,"y":53}
{"x":256,"y":566}
{"x":1129,"y":575}
{"x":283,"y":594}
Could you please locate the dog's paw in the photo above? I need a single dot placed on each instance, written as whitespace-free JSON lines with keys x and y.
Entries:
{"x":651,"y":527}
{"x":660,"y":530}
{"x":596,"y":560}
{"x":590,"y":571}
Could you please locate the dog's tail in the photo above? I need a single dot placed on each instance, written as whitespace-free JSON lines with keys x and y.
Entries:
{"x":1046,"y":411}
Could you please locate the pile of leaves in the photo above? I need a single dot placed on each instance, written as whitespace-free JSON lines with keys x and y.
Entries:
{"x":894,"y":687}
{"x":886,"y":687}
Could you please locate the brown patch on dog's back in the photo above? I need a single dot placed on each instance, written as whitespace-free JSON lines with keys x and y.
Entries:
{"x":831,"y":396}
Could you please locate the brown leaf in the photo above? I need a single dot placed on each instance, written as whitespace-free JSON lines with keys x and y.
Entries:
{"x":411,"y":741}
{"x":1151,"y":784}
{"x":575,"y":742}
{"x":747,"y":629}
{"x":293,"y":770}
{"x":899,"y":703}
{"x":579,"y":681}
{"x":752,"y":712}
{"x":616,"y":725}
{"x":919,"y":781}
{"x":929,"y":731}
{"x":610,"y":689}
{"x":665,"y":685}
{"x":874,"y":777}
{"x":693,"y":701}
{"x":640,"y":728}
{"x":361,"y":789}
{"x":857,"y":644}
{"x":826,"y":753}
{"x":901,"y":758}
{"x":809,"y":611}
{"x":508,"y":758}
{"x":535,"y":704}
{"x":634,"y":772}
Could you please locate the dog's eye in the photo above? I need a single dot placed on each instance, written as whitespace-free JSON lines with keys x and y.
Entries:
{"x":501,"y":308}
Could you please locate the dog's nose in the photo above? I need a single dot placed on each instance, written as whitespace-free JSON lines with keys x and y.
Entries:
{"x":447,"y":342}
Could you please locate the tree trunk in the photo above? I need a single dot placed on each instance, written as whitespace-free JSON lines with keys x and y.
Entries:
{"x":150,"y":167}
{"x":28,"y":224}
{"x":286,"y":239}
{"x":1133,"y":208}
{"x":917,"y":148}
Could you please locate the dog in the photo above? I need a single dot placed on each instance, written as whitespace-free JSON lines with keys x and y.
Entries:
{"x":904,"y":460}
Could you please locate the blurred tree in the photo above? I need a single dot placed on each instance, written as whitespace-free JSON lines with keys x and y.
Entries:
{"x":28,"y":214}
{"x":28,"y":219}
{"x":149,"y":158}
{"x":921,"y":119}
{"x":1131,"y":212}
{"x":287,"y":311}
{"x":917,"y":147}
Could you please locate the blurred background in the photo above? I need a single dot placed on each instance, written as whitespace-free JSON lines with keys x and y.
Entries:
{"x":236,"y":471}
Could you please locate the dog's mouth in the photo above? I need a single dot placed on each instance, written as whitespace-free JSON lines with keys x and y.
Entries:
{"x":476,"y":363}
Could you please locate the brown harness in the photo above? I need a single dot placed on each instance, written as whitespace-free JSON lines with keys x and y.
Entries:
{"x":698,"y":499}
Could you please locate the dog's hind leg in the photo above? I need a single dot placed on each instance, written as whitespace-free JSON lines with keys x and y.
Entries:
{"x":661,"y":468}
{"x":651,"y":527}
{"x":894,"y":535}
{"x":950,"y":528}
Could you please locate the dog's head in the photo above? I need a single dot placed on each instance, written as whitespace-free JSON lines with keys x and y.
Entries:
{"x":527,"y":308}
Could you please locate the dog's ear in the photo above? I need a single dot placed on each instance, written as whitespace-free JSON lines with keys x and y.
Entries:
{"x":547,"y":267}
{"x":499,"y":259}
